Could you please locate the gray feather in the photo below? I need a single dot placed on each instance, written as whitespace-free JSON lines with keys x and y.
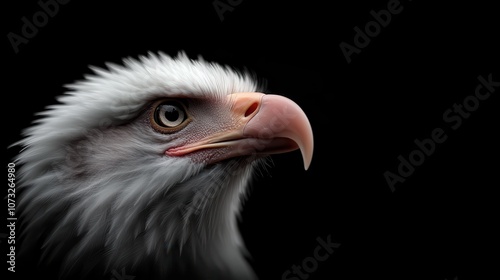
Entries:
{"x":97,"y":195}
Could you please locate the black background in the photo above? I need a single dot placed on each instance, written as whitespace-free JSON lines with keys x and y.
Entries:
{"x":439,"y":224}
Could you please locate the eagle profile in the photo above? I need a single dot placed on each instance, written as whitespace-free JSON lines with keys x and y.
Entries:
{"x":142,"y":167}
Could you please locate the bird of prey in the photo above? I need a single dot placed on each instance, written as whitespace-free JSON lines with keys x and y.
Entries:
{"x":140,"y":169}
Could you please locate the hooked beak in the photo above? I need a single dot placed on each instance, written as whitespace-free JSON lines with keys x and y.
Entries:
{"x":264,"y":124}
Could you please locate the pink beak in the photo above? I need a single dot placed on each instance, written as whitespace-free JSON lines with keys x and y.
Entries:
{"x":263,"y":125}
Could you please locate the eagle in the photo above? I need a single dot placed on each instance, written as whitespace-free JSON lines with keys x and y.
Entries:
{"x":141,"y":169}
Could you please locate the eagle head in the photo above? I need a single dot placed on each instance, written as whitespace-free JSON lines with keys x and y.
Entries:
{"x":142,"y":167}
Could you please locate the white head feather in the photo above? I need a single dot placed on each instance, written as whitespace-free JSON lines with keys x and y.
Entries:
{"x":97,"y":195}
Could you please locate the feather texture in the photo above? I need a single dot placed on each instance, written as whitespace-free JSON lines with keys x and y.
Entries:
{"x":97,"y":195}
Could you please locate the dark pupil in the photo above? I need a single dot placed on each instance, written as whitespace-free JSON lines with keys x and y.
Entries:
{"x":171,"y":113}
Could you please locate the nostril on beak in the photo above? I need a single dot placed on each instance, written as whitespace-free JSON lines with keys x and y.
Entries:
{"x":251,"y":109}
{"x":245,"y":105}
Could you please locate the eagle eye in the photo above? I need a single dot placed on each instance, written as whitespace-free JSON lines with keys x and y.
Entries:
{"x":168,"y":116}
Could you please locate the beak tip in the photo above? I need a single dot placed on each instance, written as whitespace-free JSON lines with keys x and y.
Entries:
{"x":307,"y":160}
{"x":307,"y":151}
